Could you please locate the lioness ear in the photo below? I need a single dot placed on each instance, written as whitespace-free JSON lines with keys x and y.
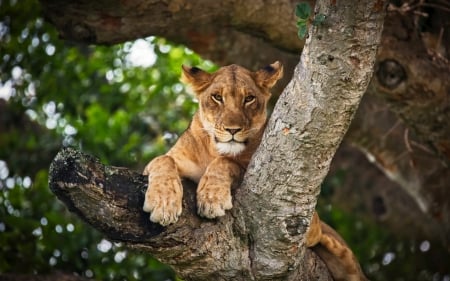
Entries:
{"x":197,"y":78}
{"x":269,"y":75}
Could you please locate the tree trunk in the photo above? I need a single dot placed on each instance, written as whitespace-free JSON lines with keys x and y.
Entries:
{"x":263,"y":237}
{"x":411,"y":78}
{"x":308,"y":124}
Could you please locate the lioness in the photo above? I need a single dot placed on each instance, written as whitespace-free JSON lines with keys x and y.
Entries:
{"x":216,"y":149}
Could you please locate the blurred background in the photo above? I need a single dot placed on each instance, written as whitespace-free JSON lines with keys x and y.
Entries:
{"x":125,"y":104}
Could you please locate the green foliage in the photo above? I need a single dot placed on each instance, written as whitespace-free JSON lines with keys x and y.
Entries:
{"x":38,"y":235}
{"x":96,"y":97}
{"x":303,"y":12}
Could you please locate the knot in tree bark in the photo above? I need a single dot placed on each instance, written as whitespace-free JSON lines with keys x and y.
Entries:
{"x":390,"y":73}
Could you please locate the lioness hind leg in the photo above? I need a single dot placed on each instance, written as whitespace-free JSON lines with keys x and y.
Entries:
{"x":328,"y":244}
{"x":214,"y":188}
{"x":339,"y":258}
{"x":163,"y":198}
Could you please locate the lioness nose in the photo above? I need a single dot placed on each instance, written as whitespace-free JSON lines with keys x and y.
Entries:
{"x":233,"y":130}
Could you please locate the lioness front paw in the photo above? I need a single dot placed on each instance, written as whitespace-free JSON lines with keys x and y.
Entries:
{"x":163,"y":199}
{"x":213,"y":199}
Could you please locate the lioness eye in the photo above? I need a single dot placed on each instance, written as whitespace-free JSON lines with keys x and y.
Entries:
{"x":249,"y":99}
{"x":217,"y":97}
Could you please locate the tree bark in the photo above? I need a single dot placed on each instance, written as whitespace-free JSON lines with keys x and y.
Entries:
{"x":263,"y":237}
{"x":308,"y":124}
{"x":111,"y":199}
{"x":411,"y":78}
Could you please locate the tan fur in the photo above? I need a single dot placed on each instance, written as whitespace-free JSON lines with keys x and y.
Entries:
{"x":332,"y":249}
{"x":216,"y":149}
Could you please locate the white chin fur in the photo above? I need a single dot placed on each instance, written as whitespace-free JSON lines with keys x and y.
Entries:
{"x":232,"y":147}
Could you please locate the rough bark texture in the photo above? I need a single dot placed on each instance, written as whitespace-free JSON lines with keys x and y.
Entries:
{"x":306,"y":127}
{"x":111,"y":199}
{"x":263,"y":237}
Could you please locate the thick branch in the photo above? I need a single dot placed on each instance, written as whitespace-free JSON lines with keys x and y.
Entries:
{"x":111,"y":199}
{"x":112,"y":22}
{"x":106,"y":197}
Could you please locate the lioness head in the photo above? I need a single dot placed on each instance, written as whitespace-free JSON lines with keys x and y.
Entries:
{"x":232,"y":103}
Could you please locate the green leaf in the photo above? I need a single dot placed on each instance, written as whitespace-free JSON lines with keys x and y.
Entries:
{"x":301,"y":22}
{"x":303,"y":10}
{"x":302,"y":30}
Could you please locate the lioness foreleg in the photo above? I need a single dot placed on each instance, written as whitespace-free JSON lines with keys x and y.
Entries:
{"x":164,"y":194}
{"x":214,"y":188}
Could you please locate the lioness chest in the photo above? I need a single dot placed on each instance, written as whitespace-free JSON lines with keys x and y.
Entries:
{"x":194,"y":152}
